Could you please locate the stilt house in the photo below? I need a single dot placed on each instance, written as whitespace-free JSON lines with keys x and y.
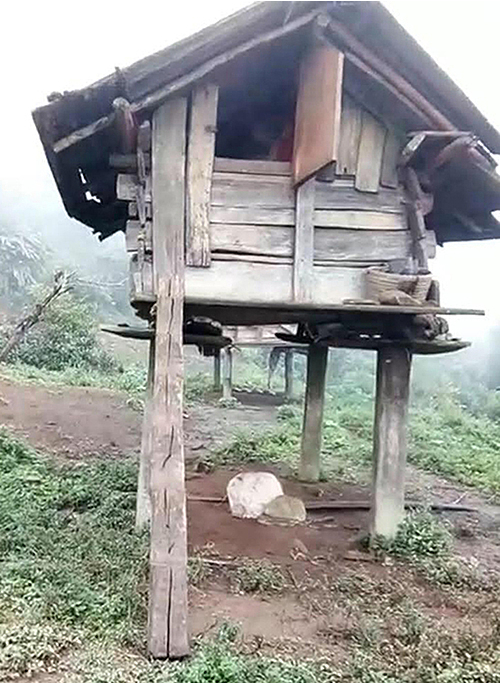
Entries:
{"x":297,"y":163}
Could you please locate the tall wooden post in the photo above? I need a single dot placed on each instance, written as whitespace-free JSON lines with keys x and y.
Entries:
{"x":390,"y":439}
{"x":317,"y":358}
{"x":143,"y":501}
{"x":167,"y":624}
{"x":217,"y":373}
{"x":289,"y":373}
{"x":227,"y":372}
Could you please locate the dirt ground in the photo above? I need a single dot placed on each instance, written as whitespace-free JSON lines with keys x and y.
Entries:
{"x":77,"y":423}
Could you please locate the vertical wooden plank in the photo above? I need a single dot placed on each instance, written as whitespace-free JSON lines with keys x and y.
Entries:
{"x":317,"y":115}
{"x":350,"y":131}
{"x":390,"y":439}
{"x":201,"y":146}
{"x":390,"y":159}
{"x":371,"y":149}
{"x":143,"y":501}
{"x":167,"y":627}
{"x":289,"y":374}
{"x":303,"y":254}
{"x":309,"y":468}
{"x":227,"y":372}
{"x":217,"y":371}
{"x":416,"y":219}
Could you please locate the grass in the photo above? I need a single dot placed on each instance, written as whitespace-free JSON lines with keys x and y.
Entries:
{"x":130,"y":380}
{"x":69,"y":555}
{"x":444,"y":439}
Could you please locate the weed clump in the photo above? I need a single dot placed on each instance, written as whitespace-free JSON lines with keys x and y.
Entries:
{"x":419,"y":535}
{"x":258,"y":576}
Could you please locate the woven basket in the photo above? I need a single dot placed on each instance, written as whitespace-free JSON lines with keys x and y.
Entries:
{"x":378,"y":281}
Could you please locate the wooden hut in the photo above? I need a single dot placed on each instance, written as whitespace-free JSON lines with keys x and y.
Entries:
{"x":285,"y":165}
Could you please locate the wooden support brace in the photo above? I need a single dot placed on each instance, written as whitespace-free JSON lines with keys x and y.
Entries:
{"x":143,"y":501}
{"x":289,"y":373}
{"x":227,"y":372}
{"x":309,"y":469}
{"x":167,"y":624}
{"x":390,"y":439}
{"x":303,"y":256}
{"x":217,"y":371}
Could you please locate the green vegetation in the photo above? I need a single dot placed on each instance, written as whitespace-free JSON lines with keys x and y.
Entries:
{"x":69,"y":557}
{"x":65,"y":337}
{"x":258,"y":576}
{"x":419,"y":535}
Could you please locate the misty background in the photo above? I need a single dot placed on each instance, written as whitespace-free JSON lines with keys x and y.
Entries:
{"x":58,"y":46}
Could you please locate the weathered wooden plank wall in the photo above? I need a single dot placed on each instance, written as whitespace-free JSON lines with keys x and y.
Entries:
{"x":201,"y":146}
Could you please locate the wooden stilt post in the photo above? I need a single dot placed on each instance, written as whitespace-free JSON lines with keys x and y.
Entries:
{"x":167,"y":624}
{"x":227,"y":372}
{"x":217,"y":374}
{"x":289,"y":373}
{"x":317,"y":358}
{"x":390,"y":439}
{"x":143,"y":501}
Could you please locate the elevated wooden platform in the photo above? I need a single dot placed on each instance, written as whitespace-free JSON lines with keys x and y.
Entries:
{"x":420,"y":347}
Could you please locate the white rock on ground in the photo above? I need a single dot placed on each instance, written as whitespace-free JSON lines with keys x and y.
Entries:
{"x":249,"y":493}
{"x":286,"y":508}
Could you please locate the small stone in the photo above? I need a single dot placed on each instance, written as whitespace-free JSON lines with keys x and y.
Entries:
{"x":249,"y":493}
{"x":300,"y":546}
{"x":286,"y":508}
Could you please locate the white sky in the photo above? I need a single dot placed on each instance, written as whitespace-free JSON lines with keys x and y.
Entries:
{"x":62,"y":45}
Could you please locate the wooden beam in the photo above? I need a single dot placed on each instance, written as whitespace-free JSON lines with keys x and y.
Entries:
{"x":309,"y":468}
{"x":217,"y":371}
{"x":317,"y":116}
{"x":348,"y":40}
{"x":143,"y":501}
{"x":390,"y":439}
{"x":303,"y":253}
{"x":201,"y":147}
{"x":227,"y":372}
{"x":167,"y":625}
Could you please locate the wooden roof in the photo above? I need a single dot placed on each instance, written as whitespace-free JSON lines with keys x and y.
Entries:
{"x":76,"y":128}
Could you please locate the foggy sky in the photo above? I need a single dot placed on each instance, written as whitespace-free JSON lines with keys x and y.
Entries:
{"x":60,"y":45}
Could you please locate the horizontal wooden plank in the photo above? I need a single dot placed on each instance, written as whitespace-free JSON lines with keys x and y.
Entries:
{"x":240,"y":189}
{"x":233,"y":191}
{"x":359,"y":220}
{"x":287,"y":260}
{"x":329,"y":244}
{"x":337,"y":196}
{"x":252,"y":283}
{"x":259,"y":166}
{"x":256,"y":215}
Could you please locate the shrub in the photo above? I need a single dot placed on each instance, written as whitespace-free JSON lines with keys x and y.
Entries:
{"x":65,"y":337}
{"x":419,"y":535}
